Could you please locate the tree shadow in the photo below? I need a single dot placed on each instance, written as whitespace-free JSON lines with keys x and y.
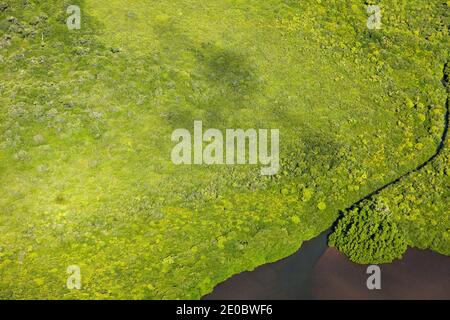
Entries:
{"x":222,"y":78}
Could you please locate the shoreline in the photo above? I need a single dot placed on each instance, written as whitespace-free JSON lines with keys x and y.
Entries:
{"x":288,"y":278}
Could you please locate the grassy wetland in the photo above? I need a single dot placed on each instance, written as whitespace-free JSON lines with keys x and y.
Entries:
{"x":87,"y":115}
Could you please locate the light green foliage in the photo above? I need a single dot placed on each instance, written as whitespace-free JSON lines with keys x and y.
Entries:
{"x":414,"y":212}
{"x":86,"y":117}
{"x":420,"y":205}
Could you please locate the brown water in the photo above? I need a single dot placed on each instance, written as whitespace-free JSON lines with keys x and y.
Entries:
{"x":289,"y":278}
{"x":318,"y":272}
{"x":420,"y":274}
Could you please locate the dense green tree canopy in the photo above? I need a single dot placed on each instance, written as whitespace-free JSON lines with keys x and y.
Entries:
{"x":367,"y":234}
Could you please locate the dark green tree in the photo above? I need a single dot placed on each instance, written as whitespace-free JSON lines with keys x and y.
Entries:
{"x":367,"y":234}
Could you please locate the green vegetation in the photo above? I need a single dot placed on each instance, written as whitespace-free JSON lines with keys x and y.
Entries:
{"x":86,"y":118}
{"x":412,"y":212}
{"x":368,"y":235}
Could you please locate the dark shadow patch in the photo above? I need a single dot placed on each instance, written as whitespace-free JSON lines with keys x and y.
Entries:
{"x":228,"y":69}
